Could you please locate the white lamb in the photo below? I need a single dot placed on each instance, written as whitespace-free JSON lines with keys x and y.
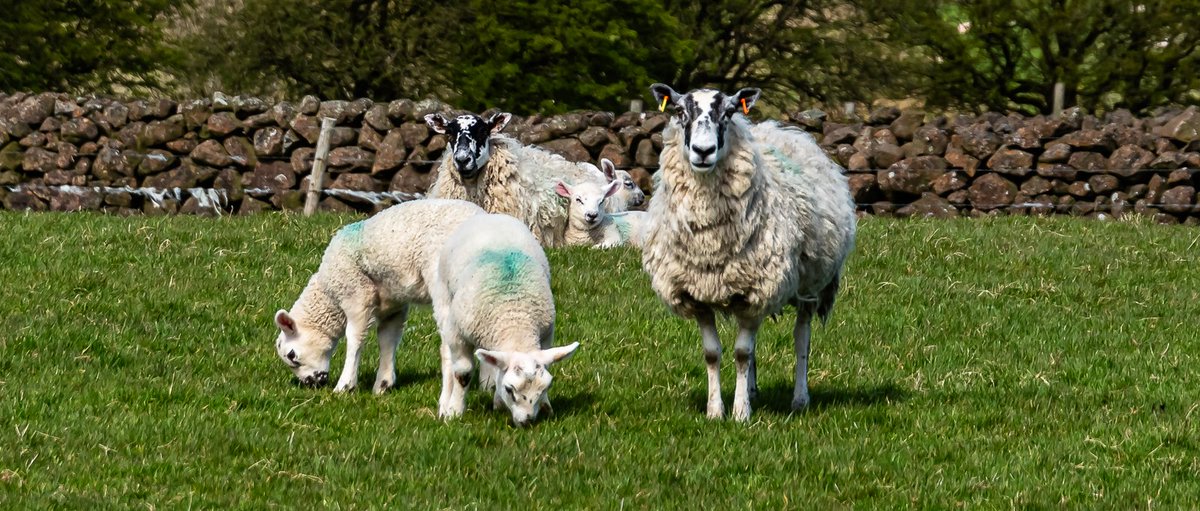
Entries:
{"x":492,"y":295}
{"x":503,"y":176}
{"x":371,"y":272}
{"x":740,"y":228}
{"x":628,"y":195}
{"x":589,"y":224}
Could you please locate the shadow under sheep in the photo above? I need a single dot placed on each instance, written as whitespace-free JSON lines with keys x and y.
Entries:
{"x":777,"y":397}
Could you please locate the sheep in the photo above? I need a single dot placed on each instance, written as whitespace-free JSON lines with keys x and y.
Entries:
{"x":501,"y":175}
{"x":492,"y":294}
{"x":372,"y":271}
{"x":628,"y":196}
{"x":589,"y":224}
{"x":742,"y":228}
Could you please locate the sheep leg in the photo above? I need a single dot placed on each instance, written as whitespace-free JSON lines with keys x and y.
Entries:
{"x":356,"y":330}
{"x":712,"y":361}
{"x":391,"y":332}
{"x":743,"y":356}
{"x":752,"y":376}
{"x":801,"y":334}
{"x":456,"y":375}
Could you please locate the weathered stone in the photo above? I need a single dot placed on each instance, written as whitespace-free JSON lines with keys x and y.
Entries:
{"x":309,"y":105}
{"x":201,"y":206}
{"x":76,"y":200}
{"x":1168,"y":160}
{"x":377,"y":118}
{"x":334,"y":205}
{"x":35,"y":139}
{"x":1088,"y":161}
{"x":10,"y":177}
{"x":1035,"y":185}
{"x":211,"y":152}
{"x":864,"y":188}
{"x":593,"y":137}
{"x":250,"y":206}
{"x":413,"y":134}
{"x":391,"y":154}
{"x":1103,"y":183}
{"x":928,"y":206}
{"x":1179,"y":177}
{"x":914,"y":176}
{"x":50,"y":124}
{"x":977,"y":140}
{"x":601,"y":119}
{"x":185,"y":176}
{"x":116,"y":115}
{"x":1025,"y":137}
{"x":38,"y":159}
{"x":268,"y":141}
{"x":241,"y":151}
{"x":906,"y":125}
{"x":1127,"y":160}
{"x":1179,"y":199}
{"x":646,"y":156}
{"x":357,"y":182}
{"x":948,"y":182}
{"x":222,"y":124}
{"x":402,"y":110}
{"x":858,"y":161}
{"x":24,"y":200}
{"x":883,"y":115}
{"x":1011,"y":161}
{"x":156,"y":160}
{"x":283,"y":113}
{"x":182,"y":145}
{"x":35,"y":109}
{"x":158,"y":133}
{"x":1089,"y":140}
{"x":244,"y":105}
{"x":258,"y":121}
{"x":79,"y":130}
{"x":1056,"y":171}
{"x":1184,"y":127}
{"x":618,"y":155}
{"x":350,"y":159}
{"x":812,"y":120}
{"x":370,"y":139}
{"x":411,"y":180}
{"x":885,"y":155}
{"x":431,"y":106}
{"x":275,"y":176}
{"x":961,"y":160}
{"x":928,"y":140}
{"x":630,"y":136}
{"x":568,"y":148}
{"x":842,"y":135}
{"x":196,"y":112}
{"x":306,"y":126}
{"x":341,"y":136}
{"x":1080,"y":189}
{"x":229,"y":182}
{"x":991,"y":191}
{"x":338,"y":110}
{"x":222,"y":102}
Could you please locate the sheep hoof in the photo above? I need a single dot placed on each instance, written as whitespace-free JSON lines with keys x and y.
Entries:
{"x":382,"y":386}
{"x":741,"y":413}
{"x":343,"y":388}
{"x":800,"y":403}
{"x":716,"y":412}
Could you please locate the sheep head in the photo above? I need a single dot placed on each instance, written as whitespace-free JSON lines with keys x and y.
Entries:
{"x":524,"y":379}
{"x":469,"y":139}
{"x":304,"y":350}
{"x":704,"y":115}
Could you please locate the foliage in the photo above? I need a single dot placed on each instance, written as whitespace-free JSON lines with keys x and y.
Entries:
{"x":1007,"y":55}
{"x":84,"y":45}
{"x":995,"y":362}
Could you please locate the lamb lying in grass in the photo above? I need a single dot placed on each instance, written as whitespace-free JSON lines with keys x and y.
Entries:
{"x":588,"y":222}
{"x":492,"y":295}
{"x":371,"y":272}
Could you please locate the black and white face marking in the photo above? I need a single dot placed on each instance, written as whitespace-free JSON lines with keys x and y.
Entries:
{"x":469,"y":138}
{"x":704,"y":115}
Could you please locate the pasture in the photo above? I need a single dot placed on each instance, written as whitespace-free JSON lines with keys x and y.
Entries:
{"x":1004,"y":362}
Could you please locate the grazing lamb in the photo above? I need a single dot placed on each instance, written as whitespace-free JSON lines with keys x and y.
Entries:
{"x":628,"y":196}
{"x":590,"y":225}
{"x":492,"y":295}
{"x":742,"y":228}
{"x":503,"y":176}
{"x":371,"y":272}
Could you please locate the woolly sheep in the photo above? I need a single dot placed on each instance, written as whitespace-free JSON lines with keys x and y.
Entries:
{"x":628,"y":195}
{"x":492,"y":294}
{"x":589,"y":224}
{"x":743,"y":228}
{"x":502,"y":175}
{"x":371,"y":272}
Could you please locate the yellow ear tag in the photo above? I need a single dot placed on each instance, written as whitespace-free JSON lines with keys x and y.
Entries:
{"x":745,"y":109}
{"x":663,"y":107}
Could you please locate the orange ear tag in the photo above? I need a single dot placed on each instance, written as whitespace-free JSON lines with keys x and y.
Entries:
{"x":745,"y":109}
{"x":663,"y":107}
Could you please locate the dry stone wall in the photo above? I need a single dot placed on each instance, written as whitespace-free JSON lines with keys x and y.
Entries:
{"x":228,"y":154}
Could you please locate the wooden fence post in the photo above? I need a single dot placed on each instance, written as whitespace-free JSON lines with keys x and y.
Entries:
{"x":1060,"y":90}
{"x":316,"y":180}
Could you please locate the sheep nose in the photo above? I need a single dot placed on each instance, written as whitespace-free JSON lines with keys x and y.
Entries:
{"x":462,"y":161}
{"x":591,"y":217}
{"x":703,"y":152}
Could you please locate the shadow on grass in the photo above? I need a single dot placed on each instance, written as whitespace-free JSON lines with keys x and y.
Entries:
{"x":777,"y":398}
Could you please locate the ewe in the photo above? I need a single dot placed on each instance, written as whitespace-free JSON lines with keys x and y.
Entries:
{"x":492,"y":295}
{"x":371,"y":272}
{"x":743,"y":228}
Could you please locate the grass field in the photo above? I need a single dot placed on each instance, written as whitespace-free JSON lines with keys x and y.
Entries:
{"x":995,"y":363}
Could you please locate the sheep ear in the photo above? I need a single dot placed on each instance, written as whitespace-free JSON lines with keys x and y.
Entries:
{"x":608,"y":168}
{"x":498,"y":359}
{"x":562,"y":190}
{"x":436,"y":122}
{"x":498,"y":121}
{"x":554,"y":355}
{"x":662,"y":90}
{"x":285,"y":322}
{"x":733,"y":104}
{"x":612,"y":188}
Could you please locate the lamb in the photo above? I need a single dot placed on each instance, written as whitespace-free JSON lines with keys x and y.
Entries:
{"x":498,"y":173}
{"x":628,"y":196}
{"x":492,"y":294}
{"x":744,"y":228}
{"x":371,"y":272}
{"x":589,"y":224}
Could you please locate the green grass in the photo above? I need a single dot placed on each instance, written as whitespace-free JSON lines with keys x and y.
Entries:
{"x":997,"y":362}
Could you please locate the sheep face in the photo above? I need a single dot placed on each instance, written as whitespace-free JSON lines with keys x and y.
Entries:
{"x":524,"y":379}
{"x":304,"y":351}
{"x":632,"y":194}
{"x":704,"y":115}
{"x":468,"y":139}
{"x":587,"y":202}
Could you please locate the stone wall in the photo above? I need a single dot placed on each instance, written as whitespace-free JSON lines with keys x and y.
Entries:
{"x":242,"y":155}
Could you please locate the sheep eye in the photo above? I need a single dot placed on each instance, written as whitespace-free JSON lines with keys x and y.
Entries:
{"x":579,"y":200}
{"x":511,"y":393}
{"x":629,"y":184}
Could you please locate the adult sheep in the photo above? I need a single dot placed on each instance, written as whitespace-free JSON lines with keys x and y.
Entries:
{"x":743,"y":228}
{"x":503,"y":176}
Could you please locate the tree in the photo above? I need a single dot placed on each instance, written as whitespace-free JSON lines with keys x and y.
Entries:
{"x":83,"y":45}
{"x":1008,"y":54}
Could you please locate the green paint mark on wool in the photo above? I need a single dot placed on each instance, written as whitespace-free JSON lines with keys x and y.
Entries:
{"x":351,"y":234}
{"x":506,"y":270}
{"x":786,"y":164}
{"x":623,"y":228}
